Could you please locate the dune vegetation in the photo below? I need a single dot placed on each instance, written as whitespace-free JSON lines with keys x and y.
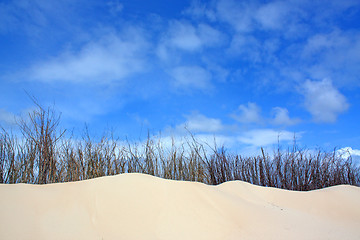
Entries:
{"x":43,"y":154}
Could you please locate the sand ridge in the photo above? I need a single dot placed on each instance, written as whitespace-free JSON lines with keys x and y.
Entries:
{"x":138,"y":206}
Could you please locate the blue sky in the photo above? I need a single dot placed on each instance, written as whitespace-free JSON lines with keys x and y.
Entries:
{"x":247,"y":72}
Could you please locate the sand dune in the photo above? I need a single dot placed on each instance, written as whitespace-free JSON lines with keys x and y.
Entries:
{"x":137,"y":206}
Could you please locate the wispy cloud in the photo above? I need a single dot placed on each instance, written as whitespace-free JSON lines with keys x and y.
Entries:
{"x":185,"y":37}
{"x":212,"y":130}
{"x":265,"y":137}
{"x":281,"y":117}
{"x":191,"y":77}
{"x":13,"y":15}
{"x":273,"y":15}
{"x":115,"y":6}
{"x":111,"y":58}
{"x":249,"y":16}
{"x":250,"y":113}
{"x":323,"y":100}
{"x":197,"y":122}
{"x":335,"y":55}
{"x":246,"y":46}
{"x":348,"y":151}
{"x":238,"y":14}
{"x":7,"y":118}
{"x":36,"y":18}
{"x":198,"y":10}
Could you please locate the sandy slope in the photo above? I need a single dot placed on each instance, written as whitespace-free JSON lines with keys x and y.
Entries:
{"x":136,"y":206}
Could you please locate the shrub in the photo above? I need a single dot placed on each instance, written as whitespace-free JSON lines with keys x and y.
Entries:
{"x":43,"y":156}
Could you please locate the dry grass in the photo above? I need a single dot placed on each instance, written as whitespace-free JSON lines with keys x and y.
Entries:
{"x":44,"y":155}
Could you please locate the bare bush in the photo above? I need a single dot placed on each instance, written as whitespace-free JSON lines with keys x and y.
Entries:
{"x":41,"y":132}
{"x":43,"y":155}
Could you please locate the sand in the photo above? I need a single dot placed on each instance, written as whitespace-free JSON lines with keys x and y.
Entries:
{"x":137,"y":206}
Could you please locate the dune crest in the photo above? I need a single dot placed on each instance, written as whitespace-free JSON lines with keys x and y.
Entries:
{"x":138,"y":206}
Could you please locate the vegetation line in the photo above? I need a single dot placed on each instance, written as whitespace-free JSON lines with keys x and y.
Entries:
{"x":43,"y":155}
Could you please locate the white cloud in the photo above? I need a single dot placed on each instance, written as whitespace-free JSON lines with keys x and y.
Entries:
{"x":207,"y":131}
{"x":187,"y":37}
{"x":335,"y":55}
{"x":36,"y":18}
{"x":247,"y":46}
{"x":238,"y":14}
{"x":348,"y":151}
{"x":281,"y":117}
{"x":248,"y":114}
{"x":209,"y":36}
{"x":6,"y":117}
{"x":7,"y":18}
{"x":184,"y":142}
{"x":219,"y":140}
{"x":248,"y":143}
{"x":183,"y":35}
{"x":272,"y":15}
{"x":265,"y":137}
{"x":332,"y":43}
{"x":248,"y":16}
{"x":197,"y":122}
{"x":198,"y":9}
{"x":317,"y":43}
{"x":323,"y":100}
{"x":112,"y":58}
{"x":219,"y":72}
{"x":286,"y":16}
{"x":191,"y":77}
{"x":115,"y":7}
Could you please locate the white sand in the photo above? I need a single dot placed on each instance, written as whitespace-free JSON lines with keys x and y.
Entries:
{"x":136,"y":206}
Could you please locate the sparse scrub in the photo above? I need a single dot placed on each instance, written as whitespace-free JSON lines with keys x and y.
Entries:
{"x":43,"y":155}
{"x":41,"y":134}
